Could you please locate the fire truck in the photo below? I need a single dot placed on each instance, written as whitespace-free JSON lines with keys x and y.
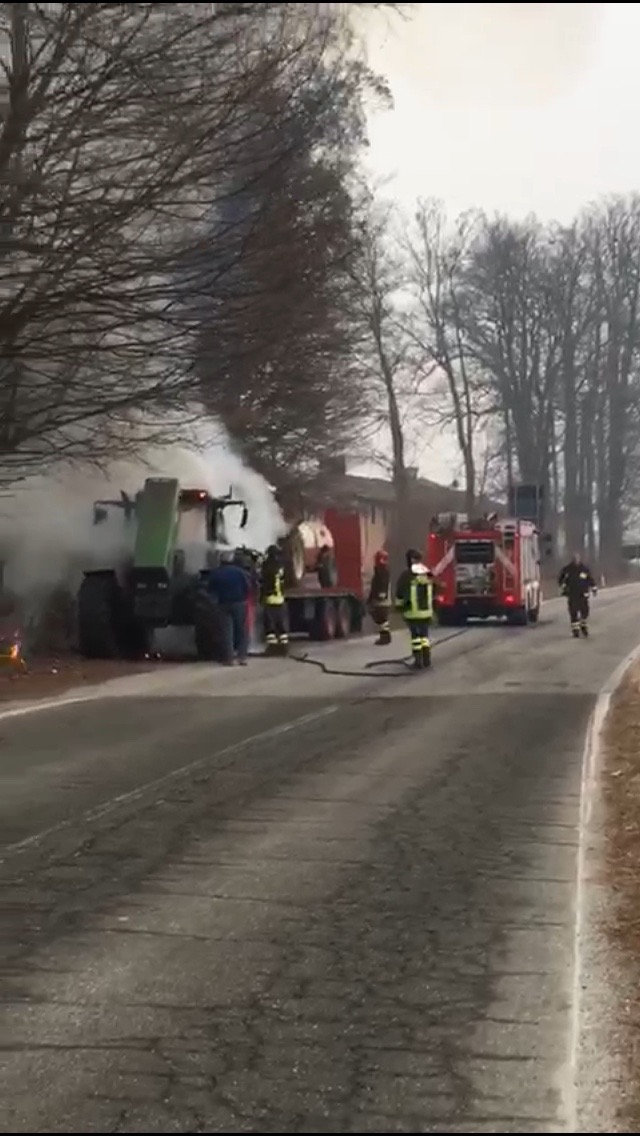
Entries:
{"x":489,"y":568}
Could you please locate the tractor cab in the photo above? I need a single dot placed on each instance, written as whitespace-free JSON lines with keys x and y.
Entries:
{"x":200,"y":515}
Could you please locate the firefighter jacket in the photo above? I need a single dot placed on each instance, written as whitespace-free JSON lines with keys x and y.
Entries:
{"x":272,"y":584}
{"x":380,"y":590}
{"x":576,"y":580}
{"x":414,"y":594}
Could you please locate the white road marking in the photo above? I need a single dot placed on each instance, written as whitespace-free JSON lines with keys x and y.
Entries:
{"x":591,"y":766}
{"x":134,"y":794}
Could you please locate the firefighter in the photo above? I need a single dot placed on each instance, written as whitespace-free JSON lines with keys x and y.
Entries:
{"x":414,"y":599}
{"x":274,"y":605}
{"x":379,"y":602}
{"x":576,"y":582}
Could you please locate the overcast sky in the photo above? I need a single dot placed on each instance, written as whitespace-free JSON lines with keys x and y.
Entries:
{"x":516,"y":107}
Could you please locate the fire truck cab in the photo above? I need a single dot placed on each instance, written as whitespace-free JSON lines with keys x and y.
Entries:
{"x":483,"y":569}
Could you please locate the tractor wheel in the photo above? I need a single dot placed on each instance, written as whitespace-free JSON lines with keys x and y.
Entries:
{"x":324,"y":625}
{"x":343,"y":619}
{"x":100,"y":618}
{"x":209,"y":630}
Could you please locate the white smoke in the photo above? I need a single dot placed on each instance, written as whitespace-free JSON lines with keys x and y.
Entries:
{"x":47,"y":535}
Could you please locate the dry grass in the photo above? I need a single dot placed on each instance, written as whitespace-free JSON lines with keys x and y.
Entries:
{"x":621,"y":792}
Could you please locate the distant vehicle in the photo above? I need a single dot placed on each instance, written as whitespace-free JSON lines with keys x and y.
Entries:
{"x":487,"y":568}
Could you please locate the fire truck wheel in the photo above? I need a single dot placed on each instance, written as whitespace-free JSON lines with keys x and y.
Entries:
{"x":534,"y":613}
{"x":343,"y":620}
{"x":518,"y":618}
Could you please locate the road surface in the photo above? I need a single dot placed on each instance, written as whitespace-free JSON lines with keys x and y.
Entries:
{"x":279,"y":900}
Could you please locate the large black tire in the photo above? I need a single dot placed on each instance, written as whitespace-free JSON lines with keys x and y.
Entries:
{"x":343,"y":619}
{"x":518,"y":618}
{"x":209,"y":629}
{"x":324,"y":624}
{"x":100,"y":631}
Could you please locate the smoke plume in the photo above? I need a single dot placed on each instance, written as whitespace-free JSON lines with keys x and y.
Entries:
{"x":46,"y":532}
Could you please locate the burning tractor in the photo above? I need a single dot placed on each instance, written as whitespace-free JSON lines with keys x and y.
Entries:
{"x":176,"y":534}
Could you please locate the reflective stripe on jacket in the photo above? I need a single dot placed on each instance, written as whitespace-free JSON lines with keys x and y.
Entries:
{"x":275,"y":596}
{"x":416,"y":601}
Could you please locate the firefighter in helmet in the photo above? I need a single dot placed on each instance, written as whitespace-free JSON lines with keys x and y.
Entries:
{"x":577,"y":583}
{"x":414,"y":600}
{"x":274,"y":606}
{"x":379,"y":601}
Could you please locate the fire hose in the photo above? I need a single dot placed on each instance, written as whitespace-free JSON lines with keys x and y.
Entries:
{"x":370,"y":670}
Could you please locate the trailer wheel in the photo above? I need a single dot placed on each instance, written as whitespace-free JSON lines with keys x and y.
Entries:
{"x":324,"y":624}
{"x":343,"y":619}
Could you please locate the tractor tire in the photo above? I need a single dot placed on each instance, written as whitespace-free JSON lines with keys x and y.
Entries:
{"x":100,"y":618}
{"x":209,"y":629}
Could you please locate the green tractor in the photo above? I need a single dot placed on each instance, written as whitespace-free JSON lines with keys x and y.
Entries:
{"x":175,"y":536}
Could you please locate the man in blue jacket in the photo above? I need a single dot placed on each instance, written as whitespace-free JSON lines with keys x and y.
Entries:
{"x":230,"y":586}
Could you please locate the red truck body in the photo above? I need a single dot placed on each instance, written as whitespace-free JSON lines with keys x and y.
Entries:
{"x":485,"y":569}
{"x":336,"y":610}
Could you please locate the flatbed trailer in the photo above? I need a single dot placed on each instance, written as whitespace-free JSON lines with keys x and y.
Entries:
{"x":324,"y":613}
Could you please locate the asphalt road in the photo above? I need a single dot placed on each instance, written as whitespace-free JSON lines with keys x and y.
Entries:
{"x":277,"y":900}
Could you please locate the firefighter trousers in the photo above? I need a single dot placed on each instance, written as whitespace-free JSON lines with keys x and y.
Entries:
{"x":420,"y":643}
{"x":380,"y":616}
{"x":276,"y":626}
{"x":578,"y":606}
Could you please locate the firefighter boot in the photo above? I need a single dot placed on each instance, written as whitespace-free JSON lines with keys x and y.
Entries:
{"x":418,"y":659}
{"x":426,"y":656}
{"x":584,"y":629}
{"x":283,"y":647}
{"x":384,"y":638}
{"x":575,"y":631}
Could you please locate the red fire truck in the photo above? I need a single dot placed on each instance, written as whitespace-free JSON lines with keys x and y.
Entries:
{"x":484,"y":569}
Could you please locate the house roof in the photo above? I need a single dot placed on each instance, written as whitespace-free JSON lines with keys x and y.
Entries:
{"x":379,"y":491}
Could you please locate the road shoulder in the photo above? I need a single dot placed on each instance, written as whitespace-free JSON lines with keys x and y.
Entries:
{"x":609,"y":922}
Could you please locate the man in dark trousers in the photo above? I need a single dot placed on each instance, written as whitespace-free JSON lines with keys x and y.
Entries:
{"x":274,"y":604}
{"x":576,"y":583}
{"x":379,"y":601}
{"x":414,"y":599}
{"x":231,"y":587}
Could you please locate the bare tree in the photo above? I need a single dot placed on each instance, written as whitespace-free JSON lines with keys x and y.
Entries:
{"x":394,"y":369}
{"x":125,"y":128}
{"x":438,"y":255}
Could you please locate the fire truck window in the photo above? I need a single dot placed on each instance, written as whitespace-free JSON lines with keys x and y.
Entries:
{"x":475,"y":552}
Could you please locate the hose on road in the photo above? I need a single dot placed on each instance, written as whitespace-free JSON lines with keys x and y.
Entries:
{"x":370,"y":670}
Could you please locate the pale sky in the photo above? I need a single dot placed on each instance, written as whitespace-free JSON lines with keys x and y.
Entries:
{"x":521,"y":107}
{"x":514,"y":107}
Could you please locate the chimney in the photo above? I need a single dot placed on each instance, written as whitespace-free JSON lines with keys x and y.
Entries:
{"x":334,"y":467}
